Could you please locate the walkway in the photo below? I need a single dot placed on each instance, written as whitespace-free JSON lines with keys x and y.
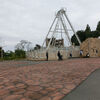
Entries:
{"x":27,"y":80}
{"x":88,"y":90}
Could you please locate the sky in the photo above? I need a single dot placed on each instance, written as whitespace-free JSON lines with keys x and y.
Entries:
{"x":31,"y":19}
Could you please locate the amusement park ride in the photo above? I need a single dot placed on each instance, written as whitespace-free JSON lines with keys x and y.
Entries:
{"x":54,"y":41}
{"x":59,"y":27}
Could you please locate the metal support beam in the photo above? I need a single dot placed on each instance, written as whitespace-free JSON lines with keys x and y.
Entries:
{"x":52,"y":36}
{"x":72,"y":28}
{"x":49,"y":31}
{"x":66,"y":32}
{"x":61,"y":17}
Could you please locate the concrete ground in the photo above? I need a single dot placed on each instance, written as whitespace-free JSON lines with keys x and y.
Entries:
{"x":88,"y":90}
{"x":27,"y":80}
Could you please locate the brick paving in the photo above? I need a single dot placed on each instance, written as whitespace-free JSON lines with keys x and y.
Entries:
{"x":27,"y":80}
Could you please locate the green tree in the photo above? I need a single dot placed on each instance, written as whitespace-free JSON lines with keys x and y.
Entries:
{"x":88,"y":31}
{"x":95,"y":34}
{"x":37,"y":46}
{"x":98,"y":27}
{"x":81,"y":35}
{"x":9,"y":55}
{"x":20,"y":53}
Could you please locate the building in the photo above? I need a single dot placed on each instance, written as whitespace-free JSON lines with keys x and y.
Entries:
{"x":55,"y":42}
{"x":40,"y":54}
{"x":91,"y":46}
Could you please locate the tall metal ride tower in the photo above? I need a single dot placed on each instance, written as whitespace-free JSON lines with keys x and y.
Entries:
{"x":60,"y":26}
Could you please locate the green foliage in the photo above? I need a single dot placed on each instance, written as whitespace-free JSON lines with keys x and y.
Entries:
{"x":9,"y":55}
{"x":20,"y":53}
{"x":87,"y":30}
{"x":81,"y":35}
{"x":87,"y":33}
{"x":37,"y":47}
{"x":98,"y":27}
{"x":0,"y":51}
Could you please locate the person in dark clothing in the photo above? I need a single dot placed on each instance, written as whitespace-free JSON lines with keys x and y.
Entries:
{"x":70,"y":55}
{"x":59,"y":55}
{"x":47,"y":56}
{"x":96,"y":51}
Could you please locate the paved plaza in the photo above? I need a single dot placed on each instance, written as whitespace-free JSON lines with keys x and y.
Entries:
{"x":29,"y":80}
{"x":88,"y":90}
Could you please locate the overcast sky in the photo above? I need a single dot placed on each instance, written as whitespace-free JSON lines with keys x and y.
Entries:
{"x":31,"y":19}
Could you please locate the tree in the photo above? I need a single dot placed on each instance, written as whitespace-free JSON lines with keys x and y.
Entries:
{"x":98,"y":27}
{"x":95,"y":34}
{"x":20,"y":53}
{"x":9,"y":55}
{"x":88,"y":31}
{"x":1,"y":52}
{"x":37,"y":47}
{"x":81,"y":35}
{"x":23,"y":45}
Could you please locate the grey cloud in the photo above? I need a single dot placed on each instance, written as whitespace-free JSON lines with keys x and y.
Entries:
{"x":31,"y":19}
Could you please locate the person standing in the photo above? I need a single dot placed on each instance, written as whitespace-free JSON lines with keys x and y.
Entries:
{"x":47,"y":56}
{"x":70,"y":55}
{"x":81,"y":53}
{"x":59,"y":55}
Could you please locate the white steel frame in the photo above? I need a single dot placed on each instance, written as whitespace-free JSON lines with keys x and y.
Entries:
{"x":61,"y":14}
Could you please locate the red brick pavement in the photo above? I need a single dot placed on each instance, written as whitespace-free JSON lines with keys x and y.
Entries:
{"x":44,"y":81}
